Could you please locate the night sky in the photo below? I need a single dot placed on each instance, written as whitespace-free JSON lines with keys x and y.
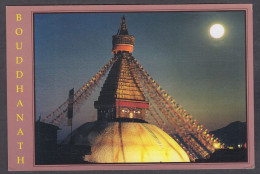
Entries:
{"x":206,"y":76}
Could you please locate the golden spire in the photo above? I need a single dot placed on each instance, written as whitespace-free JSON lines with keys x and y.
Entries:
{"x":122,"y":28}
{"x":122,"y":41}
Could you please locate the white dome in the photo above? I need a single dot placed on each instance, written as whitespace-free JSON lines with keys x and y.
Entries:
{"x":132,"y":142}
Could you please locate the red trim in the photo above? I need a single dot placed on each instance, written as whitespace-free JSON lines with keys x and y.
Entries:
{"x":132,"y":104}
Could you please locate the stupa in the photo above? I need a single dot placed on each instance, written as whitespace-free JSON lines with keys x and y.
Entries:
{"x":121,"y":134}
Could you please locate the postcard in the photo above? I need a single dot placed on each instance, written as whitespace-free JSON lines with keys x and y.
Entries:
{"x":130,"y":87}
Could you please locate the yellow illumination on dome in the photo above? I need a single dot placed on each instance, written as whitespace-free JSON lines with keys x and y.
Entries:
{"x":131,"y":142}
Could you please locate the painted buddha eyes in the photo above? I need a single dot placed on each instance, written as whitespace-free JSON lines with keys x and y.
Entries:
{"x":125,"y":110}
{"x":137,"y":112}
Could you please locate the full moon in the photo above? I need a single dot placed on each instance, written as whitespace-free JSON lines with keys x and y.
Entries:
{"x":217,"y":31}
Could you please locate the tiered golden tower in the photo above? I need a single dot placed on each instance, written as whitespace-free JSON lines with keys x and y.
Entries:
{"x":122,"y":96}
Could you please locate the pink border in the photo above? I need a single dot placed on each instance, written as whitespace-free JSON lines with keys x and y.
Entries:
{"x":28,"y":98}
